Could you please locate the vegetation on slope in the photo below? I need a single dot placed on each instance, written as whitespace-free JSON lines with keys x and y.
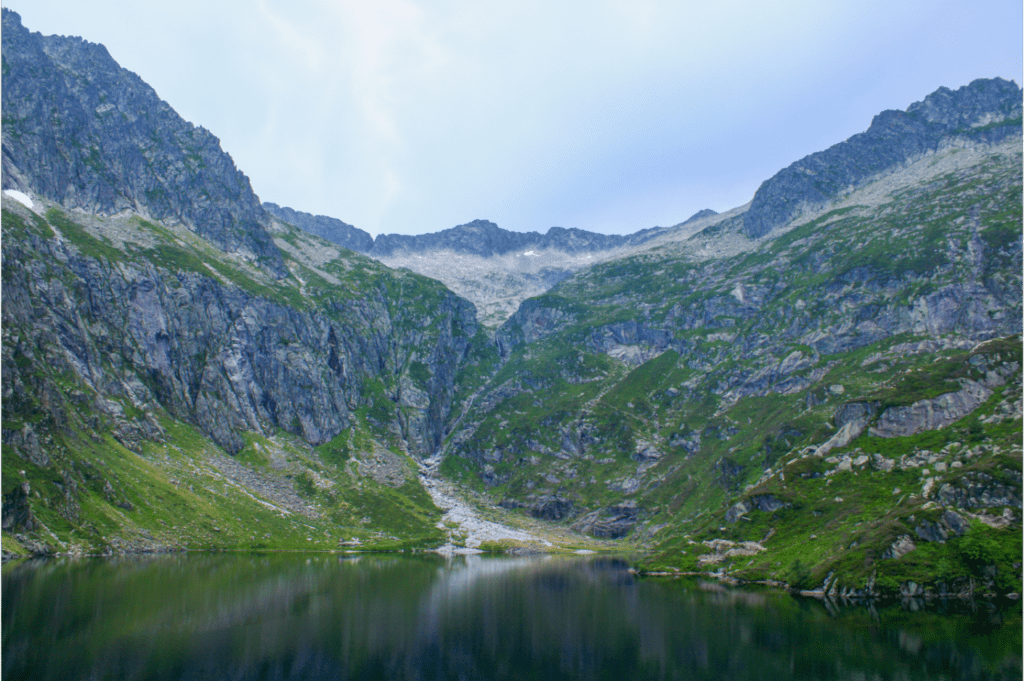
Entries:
{"x":653,"y":395}
{"x":103,"y":459}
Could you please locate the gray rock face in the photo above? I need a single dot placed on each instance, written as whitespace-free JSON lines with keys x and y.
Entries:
{"x":951,"y":524}
{"x":986,"y":111}
{"x":854,"y":411}
{"x":82,"y":131}
{"x":531,"y":322}
{"x":551,"y":508}
{"x":979,"y":490}
{"x":766,"y":503}
{"x":220,"y":357}
{"x":613,"y":522}
{"x":332,"y":229}
{"x":931,"y":414}
{"x":17,"y":512}
{"x":486,"y":239}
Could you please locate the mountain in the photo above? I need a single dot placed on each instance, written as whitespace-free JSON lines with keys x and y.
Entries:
{"x":495,"y":268}
{"x":987,"y":111}
{"x":821,"y":388}
{"x":837,"y":404}
{"x":165,"y":336}
{"x":486,"y":239}
{"x":88,"y":134}
{"x":332,"y":229}
{"x":479,"y":237}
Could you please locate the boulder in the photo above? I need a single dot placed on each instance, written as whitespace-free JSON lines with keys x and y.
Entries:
{"x":761,"y":502}
{"x":899,"y":548}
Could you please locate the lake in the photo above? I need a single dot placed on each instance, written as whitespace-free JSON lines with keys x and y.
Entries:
{"x":402,"y":616}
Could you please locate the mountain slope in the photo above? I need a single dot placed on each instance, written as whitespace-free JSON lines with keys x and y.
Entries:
{"x":783,"y":394}
{"x":276,"y":374}
{"x":88,"y":134}
{"x":332,"y":229}
{"x":987,"y":111}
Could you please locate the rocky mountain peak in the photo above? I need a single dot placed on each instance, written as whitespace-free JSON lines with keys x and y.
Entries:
{"x":81,"y":131}
{"x":982,"y":102}
{"x":985,"y":112}
{"x":699,"y":215}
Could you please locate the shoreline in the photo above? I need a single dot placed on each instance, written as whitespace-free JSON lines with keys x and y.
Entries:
{"x":447,"y":551}
{"x":832,"y":594}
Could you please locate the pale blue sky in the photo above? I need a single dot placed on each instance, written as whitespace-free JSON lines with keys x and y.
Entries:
{"x":608,"y":115}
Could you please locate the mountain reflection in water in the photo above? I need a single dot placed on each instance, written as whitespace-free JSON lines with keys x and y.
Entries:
{"x":288,"y":616}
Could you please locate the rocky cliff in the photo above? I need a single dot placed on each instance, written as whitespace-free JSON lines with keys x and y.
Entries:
{"x":158,"y":327}
{"x":332,"y":229}
{"x":81,"y":131}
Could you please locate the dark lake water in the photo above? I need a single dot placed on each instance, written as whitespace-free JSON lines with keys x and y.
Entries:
{"x":316,"y":616}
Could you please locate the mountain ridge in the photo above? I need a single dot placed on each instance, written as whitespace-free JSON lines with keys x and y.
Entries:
{"x":113,"y":145}
{"x":990,"y":110}
{"x":477,"y":237}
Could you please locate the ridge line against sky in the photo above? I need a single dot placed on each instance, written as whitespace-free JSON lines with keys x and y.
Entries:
{"x":612,"y":116}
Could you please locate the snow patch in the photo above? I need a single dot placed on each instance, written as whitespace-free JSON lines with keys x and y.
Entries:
{"x":21,"y":197}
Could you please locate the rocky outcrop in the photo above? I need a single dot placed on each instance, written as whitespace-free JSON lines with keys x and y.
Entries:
{"x":949,"y":524}
{"x":844,"y":436}
{"x":899,"y":548}
{"x":332,"y":229}
{"x":82,"y":131}
{"x":613,"y":522}
{"x":931,"y":414}
{"x":852,"y":412}
{"x":531,"y":322}
{"x":17,"y":511}
{"x":551,"y":508}
{"x":977,"y":489}
{"x":140,"y":338}
{"x":767,"y":503}
{"x":723,"y":549}
{"x":986,"y":111}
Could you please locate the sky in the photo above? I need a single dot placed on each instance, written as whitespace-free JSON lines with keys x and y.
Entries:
{"x":409,"y":116}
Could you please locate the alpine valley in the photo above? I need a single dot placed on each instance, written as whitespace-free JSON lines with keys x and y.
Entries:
{"x":820,"y":389}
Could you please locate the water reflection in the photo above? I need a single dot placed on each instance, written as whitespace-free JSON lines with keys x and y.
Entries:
{"x":426,"y":617}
